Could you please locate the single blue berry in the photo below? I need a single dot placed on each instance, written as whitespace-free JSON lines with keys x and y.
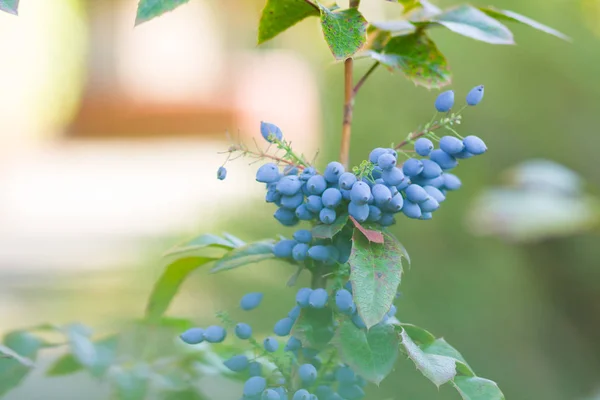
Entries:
{"x":387,"y":219}
{"x":316,"y":184}
{"x":300,"y":251}
{"x":270,"y":132}
{"x":237,"y":363}
{"x":327,"y":216}
{"x":386,"y":161}
{"x":221,"y":173}
{"x":318,"y":298}
{"x":271,"y":344}
{"x":292,"y":202}
{"x":451,"y":182}
{"x":435,"y":193}
{"x":307,"y":173}
{"x":331,"y":198}
{"x":374,"y":214}
{"x":289,"y":185}
{"x":358,"y":321}
{"x":416,"y":194}
{"x":411,"y":210}
{"x":293,"y":344}
{"x":255,"y":386}
{"x":273,"y":196}
{"x":430,"y":170}
{"x":475,"y":95}
{"x":314,"y":203}
{"x":301,"y":394}
{"x":381,"y":194}
{"x":294,"y":313}
{"x":303,"y":236}
{"x":360,"y":212}
{"x":193,"y":336}
{"x":302,"y":296}
{"x":333,"y":171}
{"x":215,"y":334}
{"x":474,"y":145}
{"x":429,"y":205}
{"x":243,"y":330}
{"x":344,"y":375}
{"x":250,"y":301}
{"x":286,"y":217}
{"x":270,"y":394}
{"x":347,"y":179}
{"x":426,"y":215}
{"x":268,"y":173}
{"x":303,"y":213}
{"x":451,"y":145}
{"x":360,"y":193}
{"x":283,"y":326}
{"x":412,"y":167}
{"x":376,"y":153}
{"x":307,"y":374}
{"x":393,"y":177}
{"x":396,"y":204}
{"x":343,"y":300}
{"x":444,"y":101}
{"x":423,"y":146}
{"x":443,"y":159}
{"x":255,"y":369}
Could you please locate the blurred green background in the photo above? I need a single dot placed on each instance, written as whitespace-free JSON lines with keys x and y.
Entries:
{"x":86,"y":140}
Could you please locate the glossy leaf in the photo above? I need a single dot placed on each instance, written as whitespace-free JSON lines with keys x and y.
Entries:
{"x":13,"y":371}
{"x":314,"y":327}
{"x":443,"y":348}
{"x":279,"y":15}
{"x":248,"y":254}
{"x":469,"y":21}
{"x":192,"y":247}
{"x":345,"y":31}
{"x":375,"y":273}
{"x":10,"y":6}
{"x":169,"y":282}
{"x":325,"y":231}
{"x":506,"y":15}
{"x":475,"y":388}
{"x":438,"y":369}
{"x":148,"y":9}
{"x":371,"y":354}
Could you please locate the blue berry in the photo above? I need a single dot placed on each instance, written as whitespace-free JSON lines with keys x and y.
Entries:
{"x":273,"y":196}
{"x":289,"y":185}
{"x":283,"y":327}
{"x":237,"y":363}
{"x":386,"y":161}
{"x":381,"y":193}
{"x":387,"y":219}
{"x":255,"y":386}
{"x":423,"y":146}
{"x":343,"y":300}
{"x":392,"y":311}
{"x":327,"y":216}
{"x":426,"y":215}
{"x":302,"y":296}
{"x":347,"y":179}
{"x":416,"y":194}
{"x":282,"y":391}
{"x":243,"y":330}
{"x":474,"y":145}
{"x":435,"y":193}
{"x":344,"y":375}
{"x":290,"y":170}
{"x":271,"y":344}
{"x":193,"y":336}
{"x":307,"y":173}
{"x":429,"y":205}
{"x":463,"y":155}
{"x":475,"y":95}
{"x":358,"y":321}
{"x":396,"y":203}
{"x":451,"y":182}
{"x":445,"y":101}
{"x":300,"y":251}
{"x":286,"y":217}
{"x":436,"y":182}
{"x":316,"y":184}
{"x":270,"y":394}
{"x":268,"y":173}
{"x":351,"y":392}
{"x":376,"y":153}
{"x":303,"y":213}
{"x":360,"y":193}
{"x":412,"y":167}
{"x":215,"y":334}
{"x":303,"y":236}
{"x":324,"y":392}
{"x":393,"y":177}
{"x":221,"y":173}
{"x":360,"y":212}
{"x":318,"y":298}
{"x":301,"y":394}
{"x":376,"y":173}
{"x":270,"y":132}
{"x":307,"y":373}
{"x":250,"y":301}
{"x":331,"y":198}
{"x":443,"y":159}
{"x":430,"y":170}
{"x":314,"y":203}
{"x":451,"y":145}
{"x":255,"y":369}
{"x":411,"y":210}
{"x":293,"y":344}
{"x":404,"y":184}
{"x":333,"y":171}
{"x":374,"y":214}
{"x":292,"y":202}
{"x":348,"y":286}
{"x":294,"y":313}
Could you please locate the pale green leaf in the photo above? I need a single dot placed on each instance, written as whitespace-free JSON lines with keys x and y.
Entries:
{"x":418,"y":334}
{"x":396,"y":28}
{"x":443,"y":348}
{"x":314,"y":327}
{"x":328,"y":231}
{"x":130,"y":384}
{"x":505,"y":15}
{"x":475,"y":388}
{"x":248,"y":254}
{"x":10,"y":6}
{"x":279,"y":15}
{"x":438,"y":369}
{"x":345,"y":31}
{"x":13,"y":371}
{"x":234,"y":240}
{"x":148,"y":9}
{"x":6,"y":352}
{"x":192,"y":247}
{"x":82,"y":348}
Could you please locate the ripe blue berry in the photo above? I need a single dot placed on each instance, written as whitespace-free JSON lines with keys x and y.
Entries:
{"x":343,"y":300}
{"x":268,"y":173}
{"x":393,"y":177}
{"x":302,"y":296}
{"x":283,"y":326}
{"x":430,"y":170}
{"x":293,"y":344}
{"x":290,"y":170}
{"x":426,"y":216}
{"x":243,"y":330}
{"x":331,"y":197}
{"x":289,"y":185}
{"x":358,"y":321}
{"x":327,"y":216}
{"x":435,"y":193}
{"x":360,"y":193}
{"x":250,"y":301}
{"x":300,"y":251}
{"x":286,"y":217}
{"x":451,"y":145}
{"x":445,"y":101}
{"x":386,"y":161}
{"x":314,"y":203}
{"x":193,"y":336}
{"x":475,"y":95}
{"x":381,"y":194}
{"x":392,"y":311}
{"x":443,"y":159}
{"x":347,"y":179}
{"x":294,"y":313}
{"x":254,"y":386}
{"x":474,"y":145}
{"x":307,"y":373}
{"x":351,"y":392}
{"x":423,"y":146}
{"x":221,"y":173}
{"x":215,"y":334}
{"x":404,"y":184}
{"x":270,"y":394}
{"x":412,"y":167}
{"x":387,"y":219}
{"x":273,"y":196}
{"x":324,"y":392}
{"x":254,"y":369}
{"x":270,"y":132}
{"x":416,"y":194}
{"x":396,"y":204}
{"x":348,"y":286}
{"x":411,"y":210}
{"x":360,"y":212}
{"x":271,"y":344}
{"x":301,"y":394}
{"x":376,"y":153}
{"x":316,"y":184}
{"x":237,"y":363}
{"x":451,"y":182}
{"x":333,"y":171}
{"x":292,"y":202}
{"x":303,"y":236}
{"x":303,"y":213}
{"x":374,"y":214}
{"x":344,"y":375}
{"x":318,"y":298}
{"x":429,"y":205}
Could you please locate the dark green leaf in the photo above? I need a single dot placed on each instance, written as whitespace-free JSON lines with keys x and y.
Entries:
{"x":314,"y":327}
{"x":11,"y":370}
{"x":442,"y":348}
{"x":169,"y":282}
{"x":475,"y":388}
{"x":471,"y":22}
{"x":396,"y":28}
{"x":279,"y":15}
{"x":438,"y":369}
{"x":505,"y":15}
{"x":148,"y":9}
{"x":418,"y":58}
{"x":248,"y":254}
{"x":324,"y":231}
{"x":371,"y":353}
{"x":6,"y":352}
{"x":64,"y":365}
{"x":131,"y":384}
{"x":345,"y":31}
{"x":192,"y":247}
{"x":375,"y":273}
{"x":10,"y":6}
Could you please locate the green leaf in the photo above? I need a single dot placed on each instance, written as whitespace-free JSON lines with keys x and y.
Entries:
{"x":372,"y":354}
{"x":248,"y":254}
{"x":396,"y":28}
{"x":6,"y":352}
{"x":148,"y":9}
{"x":314,"y":327}
{"x":105,"y":353}
{"x":375,"y":273}
{"x":191,"y":247}
{"x":505,"y":15}
{"x":82,"y":348}
{"x":324,"y":231}
{"x":438,"y":369}
{"x":475,"y":388}
{"x":279,"y":15}
{"x":64,"y":365}
{"x":418,"y":334}
{"x":13,"y":371}
{"x":131,"y":384}
{"x":469,"y":21}
{"x":10,"y":6}
{"x":443,"y":348}
{"x":418,"y":58}
{"x":169,"y":282}
{"x":234,"y":240}
{"x":345,"y":31}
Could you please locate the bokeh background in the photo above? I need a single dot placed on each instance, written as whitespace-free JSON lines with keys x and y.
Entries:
{"x":110,"y":139}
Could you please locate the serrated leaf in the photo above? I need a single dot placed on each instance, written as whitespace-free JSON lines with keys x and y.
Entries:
{"x":191,"y":247}
{"x":314,"y":327}
{"x":370,"y":234}
{"x":345,"y":31}
{"x":279,"y":15}
{"x":418,"y":334}
{"x":10,"y":6}
{"x":469,"y":21}
{"x":64,"y":365}
{"x":148,"y":9}
{"x":375,"y":273}
{"x":443,"y":348}
{"x":475,"y":388}
{"x":417,"y":57}
{"x":168,"y":284}
{"x":248,"y":254}
{"x":371,"y":354}
{"x":325,"y":231}
{"x":438,"y":369}
{"x":511,"y":16}
{"x":13,"y":371}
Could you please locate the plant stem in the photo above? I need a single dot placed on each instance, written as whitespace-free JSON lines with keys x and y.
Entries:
{"x":422,"y":132}
{"x":354,"y":3}
{"x":348,"y":106}
{"x":362,"y":80}
{"x":318,"y":279}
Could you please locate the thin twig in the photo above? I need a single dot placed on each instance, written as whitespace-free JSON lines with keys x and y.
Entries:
{"x":354,"y":3}
{"x":362,"y":80}
{"x":348,"y":106}
{"x":428,"y":129}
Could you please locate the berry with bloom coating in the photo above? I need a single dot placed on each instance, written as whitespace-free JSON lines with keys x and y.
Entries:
{"x":314,"y":203}
{"x":429,"y":205}
{"x":268,"y":173}
{"x":318,"y":298}
{"x":411,"y":210}
{"x":376,"y":153}
{"x":396,"y":203}
{"x":302,"y":297}
{"x":193,"y":336}
{"x":303,"y":213}
{"x":283,"y":326}
{"x":327,"y":216}
{"x":316,"y":184}
{"x":412,"y":167}
{"x":300,"y":251}
{"x":292,"y":202}
{"x":250,"y":301}
{"x":243,"y":330}
{"x":416,"y":194}
{"x":474,"y":145}
{"x":451,"y":182}
{"x":445,"y":101}
{"x":286,"y":217}
{"x":271,"y":344}
{"x":393,"y":177}
{"x":255,"y":386}
{"x":270,"y":132}
{"x":215,"y":334}
{"x":333,"y":171}
{"x":360,"y":212}
{"x":347,"y":179}
{"x":294,"y":313}
{"x":430,"y":170}
{"x":293,"y":344}
{"x":475,"y":95}
{"x":451,"y":145}
{"x":303,"y":236}
{"x":443,"y":159}
{"x":221,"y":173}
{"x":381,"y":193}
{"x":386,"y":161}
{"x":387,"y":219}
{"x":423,"y":146}
{"x":270,"y":394}
{"x":343,"y":300}
{"x":331,"y":197}
{"x":289,"y":185}
{"x":301,"y":394}
{"x":307,"y":373}
{"x":360,"y":193}
{"x":435,"y":193}
{"x":237,"y":363}
{"x":374,"y":214}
